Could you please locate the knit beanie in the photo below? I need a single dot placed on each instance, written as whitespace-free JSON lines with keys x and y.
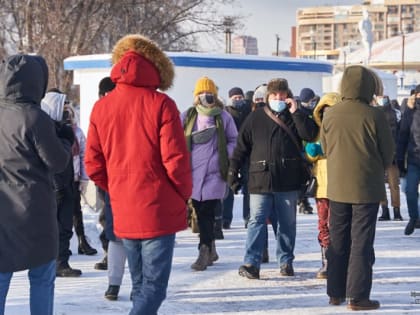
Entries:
{"x":277,"y":85}
{"x":204,"y":84}
{"x":235,"y":91}
{"x":260,"y":93}
{"x":306,"y":94}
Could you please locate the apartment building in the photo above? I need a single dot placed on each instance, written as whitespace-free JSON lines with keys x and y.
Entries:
{"x":322,"y":32}
{"x":245,"y":45}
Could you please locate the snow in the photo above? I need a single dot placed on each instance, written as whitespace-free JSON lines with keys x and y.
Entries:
{"x":220,"y":290}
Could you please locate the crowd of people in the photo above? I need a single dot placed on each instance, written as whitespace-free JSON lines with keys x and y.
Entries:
{"x":139,"y":148}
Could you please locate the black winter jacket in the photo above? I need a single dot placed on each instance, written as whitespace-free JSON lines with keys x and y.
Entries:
{"x":275,"y":162}
{"x":409,"y":136}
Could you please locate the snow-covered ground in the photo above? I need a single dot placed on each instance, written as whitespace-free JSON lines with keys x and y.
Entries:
{"x":220,"y":290}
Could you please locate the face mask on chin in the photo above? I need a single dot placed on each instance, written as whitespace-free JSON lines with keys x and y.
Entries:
{"x":277,"y":105}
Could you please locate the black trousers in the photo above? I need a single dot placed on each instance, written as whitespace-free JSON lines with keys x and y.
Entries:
{"x":65,"y":202}
{"x":77,"y":211}
{"x":350,"y":253}
{"x":205,"y":217}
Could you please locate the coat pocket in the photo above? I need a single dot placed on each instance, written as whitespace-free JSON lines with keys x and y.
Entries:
{"x":258,"y":166}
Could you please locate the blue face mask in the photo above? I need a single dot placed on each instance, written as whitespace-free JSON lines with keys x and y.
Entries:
{"x":238,"y":103}
{"x":277,"y":105}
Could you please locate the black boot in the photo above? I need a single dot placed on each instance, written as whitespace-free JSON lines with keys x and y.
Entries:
{"x":103,"y":264}
{"x":305,"y":207}
{"x":63,"y":269}
{"x":85,"y":248}
{"x":385,"y":214}
{"x":218,"y":232}
{"x":322,"y":272}
{"x":397,"y":214}
{"x":112,"y":292}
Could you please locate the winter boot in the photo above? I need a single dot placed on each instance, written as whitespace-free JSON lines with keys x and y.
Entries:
{"x":305,"y":207}
{"x":84,"y":247}
{"x":397,"y":214}
{"x":213,"y":254}
{"x":103,"y":264}
{"x":203,"y":258}
{"x":63,"y":269}
{"x":322,"y":272}
{"x":112,"y":292}
{"x":385,"y":214}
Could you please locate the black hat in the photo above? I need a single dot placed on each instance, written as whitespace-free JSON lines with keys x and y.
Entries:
{"x":235,"y":91}
{"x":106,"y":85}
{"x":306,"y":94}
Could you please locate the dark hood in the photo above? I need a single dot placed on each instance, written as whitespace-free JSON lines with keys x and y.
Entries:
{"x":23,"y":79}
{"x":360,"y":83}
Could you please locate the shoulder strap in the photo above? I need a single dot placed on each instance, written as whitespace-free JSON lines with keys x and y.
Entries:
{"x":284,"y":126}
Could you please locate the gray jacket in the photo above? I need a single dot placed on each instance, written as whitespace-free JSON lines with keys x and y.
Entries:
{"x":30,"y":152}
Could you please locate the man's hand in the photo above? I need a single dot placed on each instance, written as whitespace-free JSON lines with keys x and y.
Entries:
{"x":233,"y":180}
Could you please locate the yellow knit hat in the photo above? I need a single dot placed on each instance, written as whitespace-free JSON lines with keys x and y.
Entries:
{"x":204,"y":84}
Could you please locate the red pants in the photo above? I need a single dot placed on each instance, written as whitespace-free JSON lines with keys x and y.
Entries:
{"x":323,"y":209}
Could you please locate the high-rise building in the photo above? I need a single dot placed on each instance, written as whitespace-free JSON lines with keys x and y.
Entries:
{"x":245,"y":45}
{"x":323,"y":31}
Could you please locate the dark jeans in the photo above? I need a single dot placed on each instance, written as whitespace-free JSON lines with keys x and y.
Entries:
{"x":65,"y":201}
{"x":205,"y":217}
{"x":412,"y":190}
{"x":350,"y":253}
{"x":228,"y":207}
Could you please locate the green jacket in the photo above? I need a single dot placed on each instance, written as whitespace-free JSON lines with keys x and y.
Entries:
{"x":357,"y":141}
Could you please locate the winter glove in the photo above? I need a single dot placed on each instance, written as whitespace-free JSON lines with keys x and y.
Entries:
{"x":313,"y":149}
{"x":401,"y":167}
{"x":234,"y":181}
{"x":83,"y":184}
{"x":65,"y":132}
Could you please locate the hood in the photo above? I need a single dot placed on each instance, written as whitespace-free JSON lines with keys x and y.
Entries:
{"x":23,"y":79}
{"x":139,"y":61}
{"x":53,"y":105}
{"x":360,"y":83}
{"x":329,"y":99}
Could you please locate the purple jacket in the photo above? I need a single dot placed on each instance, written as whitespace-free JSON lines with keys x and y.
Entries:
{"x":207,"y":181}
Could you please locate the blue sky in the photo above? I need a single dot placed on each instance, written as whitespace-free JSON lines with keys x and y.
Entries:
{"x":266,"y":18}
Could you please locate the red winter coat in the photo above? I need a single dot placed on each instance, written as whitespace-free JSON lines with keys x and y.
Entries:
{"x":136,"y":150}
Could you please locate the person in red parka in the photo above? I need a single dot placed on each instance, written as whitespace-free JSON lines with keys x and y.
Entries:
{"x":136,"y":151}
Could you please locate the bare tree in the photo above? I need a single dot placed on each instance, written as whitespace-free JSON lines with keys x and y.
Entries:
{"x":57,"y":29}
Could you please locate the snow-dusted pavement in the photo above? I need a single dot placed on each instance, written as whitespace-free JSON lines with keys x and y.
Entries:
{"x":219,"y":289}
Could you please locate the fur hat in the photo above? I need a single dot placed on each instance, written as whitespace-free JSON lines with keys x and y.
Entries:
{"x":235,"y":91}
{"x":205,"y":84}
{"x":260,"y":93}
{"x":306,"y":94}
{"x":151,"y":52}
{"x":277,"y":85}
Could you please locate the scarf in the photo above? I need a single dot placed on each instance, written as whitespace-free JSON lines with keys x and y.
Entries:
{"x":221,"y":137}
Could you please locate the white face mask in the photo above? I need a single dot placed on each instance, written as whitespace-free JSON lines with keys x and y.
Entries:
{"x":277,"y":105}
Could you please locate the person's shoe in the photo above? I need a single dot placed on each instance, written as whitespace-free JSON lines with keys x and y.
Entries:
{"x":409,"y":229}
{"x":112,"y":292}
{"x":84,"y":247}
{"x":249,"y":271}
{"x":363,"y":305}
{"x":64,"y":270}
{"x":213,"y":254}
{"x":385,"y":214}
{"x":265,"y":257}
{"x":322,"y":272}
{"x":226,"y":225}
{"x":203,"y":259}
{"x":337,"y":300}
{"x":103,"y":264}
{"x":305,"y":207}
{"x":397,"y":214}
{"x":287,"y":270}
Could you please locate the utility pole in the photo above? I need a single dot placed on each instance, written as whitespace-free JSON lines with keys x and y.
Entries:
{"x":277,"y":44}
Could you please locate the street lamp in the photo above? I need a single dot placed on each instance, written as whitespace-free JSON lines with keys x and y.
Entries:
{"x":313,"y":42}
{"x":228,"y":24}
{"x":402,"y":60}
{"x":277,"y":44}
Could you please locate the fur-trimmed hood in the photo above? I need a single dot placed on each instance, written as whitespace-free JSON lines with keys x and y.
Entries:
{"x":155,"y":69}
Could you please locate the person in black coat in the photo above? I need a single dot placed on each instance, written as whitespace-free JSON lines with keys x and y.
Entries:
{"x":276,"y":173}
{"x":30,"y":153}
